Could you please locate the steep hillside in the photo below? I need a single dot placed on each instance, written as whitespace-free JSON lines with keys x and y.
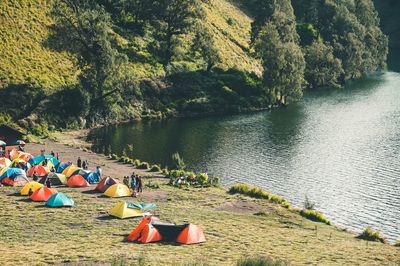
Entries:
{"x":25,"y":59}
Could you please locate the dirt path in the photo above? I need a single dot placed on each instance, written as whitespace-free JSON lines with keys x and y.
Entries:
{"x":110,"y":167}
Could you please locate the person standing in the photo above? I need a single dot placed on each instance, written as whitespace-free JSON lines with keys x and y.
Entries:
{"x":79,"y":162}
{"x":84,"y":165}
{"x":35,"y":176}
{"x":99,"y":172}
{"x":139,"y":183}
{"x":133,"y":186}
{"x":57,"y":157}
{"x":52,"y":153}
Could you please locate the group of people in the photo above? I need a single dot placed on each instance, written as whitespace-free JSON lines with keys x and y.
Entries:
{"x":84,"y":164}
{"x":134,"y":182}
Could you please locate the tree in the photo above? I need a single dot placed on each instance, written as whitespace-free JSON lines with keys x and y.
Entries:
{"x":203,"y":43}
{"x":276,"y":43}
{"x":283,"y":64}
{"x":84,"y":26}
{"x":171,"y":19}
{"x":322,"y":67}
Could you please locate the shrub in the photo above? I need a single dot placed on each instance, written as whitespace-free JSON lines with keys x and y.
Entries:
{"x":370,"y":235}
{"x":202,"y":179}
{"x":178,"y":161}
{"x":114,"y":157}
{"x":144,"y":165}
{"x":165,"y":171}
{"x":155,"y":168}
{"x":137,"y":162}
{"x":152,"y":185}
{"x":308,"y":205}
{"x":260,"y":261}
{"x":397,"y":244}
{"x":314,"y":216}
{"x":214,"y":181}
{"x":256,"y":192}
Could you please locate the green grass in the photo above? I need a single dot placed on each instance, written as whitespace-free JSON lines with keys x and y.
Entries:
{"x":25,"y":59}
{"x":260,"y":261}
{"x":314,"y":215}
{"x":256,"y":192}
{"x":85,"y":236}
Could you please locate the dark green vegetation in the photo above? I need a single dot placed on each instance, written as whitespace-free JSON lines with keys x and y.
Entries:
{"x":371,"y":235}
{"x":75,"y":64}
{"x":315,"y":216}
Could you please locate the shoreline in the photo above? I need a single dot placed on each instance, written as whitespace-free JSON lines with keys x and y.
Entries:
{"x":236,"y":226}
{"x":79,"y":137}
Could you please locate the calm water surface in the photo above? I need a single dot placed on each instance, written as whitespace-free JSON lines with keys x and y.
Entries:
{"x":341,"y":148}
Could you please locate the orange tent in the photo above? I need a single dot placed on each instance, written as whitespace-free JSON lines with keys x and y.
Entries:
{"x":192,"y":234}
{"x":25,"y":156}
{"x":77,"y":181}
{"x":39,"y":170}
{"x":43,"y":194}
{"x":145,"y":232}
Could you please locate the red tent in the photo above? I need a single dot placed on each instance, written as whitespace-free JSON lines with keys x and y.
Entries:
{"x":43,"y":194}
{"x":105,"y":183}
{"x":77,"y":181}
{"x":39,"y":170}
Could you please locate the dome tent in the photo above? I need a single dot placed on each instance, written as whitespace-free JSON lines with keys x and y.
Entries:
{"x":60,"y":200}
{"x":43,"y":194}
{"x":30,"y":186}
{"x":118,"y":191}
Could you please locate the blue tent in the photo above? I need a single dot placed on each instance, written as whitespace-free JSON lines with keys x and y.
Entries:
{"x":80,"y":172}
{"x":60,"y":200}
{"x":62,"y":166}
{"x":92,"y":177}
{"x":37,"y":160}
{"x":141,"y":206}
{"x":12,"y":173}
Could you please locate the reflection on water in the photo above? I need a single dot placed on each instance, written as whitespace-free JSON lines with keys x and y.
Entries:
{"x":341,"y":148}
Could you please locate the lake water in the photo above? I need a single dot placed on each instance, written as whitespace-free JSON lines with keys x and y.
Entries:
{"x":341,"y":148}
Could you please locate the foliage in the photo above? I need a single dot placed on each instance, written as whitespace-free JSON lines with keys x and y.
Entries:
{"x":178,"y":162}
{"x":155,"y":168}
{"x":370,"y":235}
{"x":322,"y":67}
{"x":203,"y":43}
{"x":256,"y":192}
{"x":276,"y":43}
{"x":308,"y":205}
{"x":143,"y":165}
{"x":261,"y":261}
{"x":202,"y":178}
{"x":314,"y":215}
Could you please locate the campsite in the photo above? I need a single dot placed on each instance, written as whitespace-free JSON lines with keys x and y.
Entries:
{"x":235,"y":227}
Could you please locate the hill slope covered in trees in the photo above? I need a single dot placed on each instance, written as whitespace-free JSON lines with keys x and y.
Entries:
{"x":81,"y":63}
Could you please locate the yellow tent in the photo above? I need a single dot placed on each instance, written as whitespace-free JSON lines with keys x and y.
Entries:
{"x":18,"y":160}
{"x":122,"y":211}
{"x":3,"y":170}
{"x":70,"y":170}
{"x":31,"y":185}
{"x":118,"y":191}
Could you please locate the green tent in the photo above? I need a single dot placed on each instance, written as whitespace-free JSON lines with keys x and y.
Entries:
{"x":141,"y":206}
{"x":60,"y":200}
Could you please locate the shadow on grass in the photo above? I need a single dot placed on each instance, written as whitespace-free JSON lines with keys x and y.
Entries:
{"x":91,"y":192}
{"x":15,"y":194}
{"x":106,"y":217}
{"x":25,"y":200}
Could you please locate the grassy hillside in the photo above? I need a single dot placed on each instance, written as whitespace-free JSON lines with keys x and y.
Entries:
{"x":26,"y":59}
{"x":24,"y":28}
